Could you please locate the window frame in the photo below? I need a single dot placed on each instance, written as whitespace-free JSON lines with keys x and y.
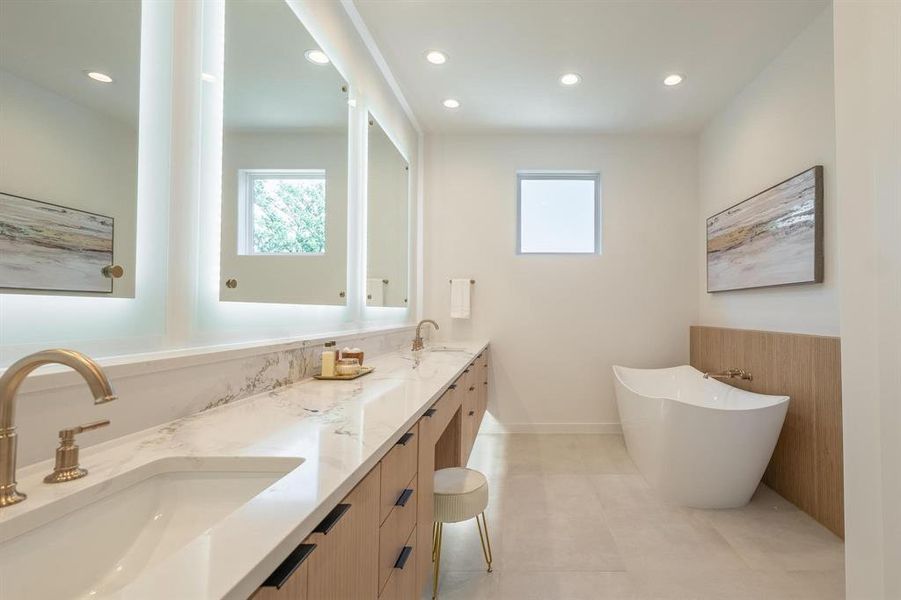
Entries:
{"x":594,"y":176}
{"x":246,"y":179}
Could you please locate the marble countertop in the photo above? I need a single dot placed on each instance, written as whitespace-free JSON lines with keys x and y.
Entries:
{"x":340,"y":428}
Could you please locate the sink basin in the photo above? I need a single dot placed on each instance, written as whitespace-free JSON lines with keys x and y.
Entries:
{"x":91,"y":543}
{"x":445,"y":349}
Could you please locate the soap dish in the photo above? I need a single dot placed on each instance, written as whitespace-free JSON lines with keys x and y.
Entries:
{"x":363,"y":371}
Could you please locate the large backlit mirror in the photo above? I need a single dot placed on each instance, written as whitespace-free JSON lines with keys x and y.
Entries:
{"x":388,"y":221}
{"x":69,"y":89}
{"x":284,"y":162}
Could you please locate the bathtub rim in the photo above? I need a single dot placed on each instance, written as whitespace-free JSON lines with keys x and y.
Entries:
{"x":774,"y":399}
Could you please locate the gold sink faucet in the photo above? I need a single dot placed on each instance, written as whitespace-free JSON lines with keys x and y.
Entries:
{"x":417,"y":341}
{"x":10,"y":382}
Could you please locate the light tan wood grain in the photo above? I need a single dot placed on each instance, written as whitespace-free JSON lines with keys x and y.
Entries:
{"x":429,"y":433}
{"x":448,"y":446}
{"x":393,"y":535}
{"x":401,"y":584}
{"x":294,"y":589}
{"x":398,"y":468}
{"x":806,"y":467}
{"x":345,"y":562}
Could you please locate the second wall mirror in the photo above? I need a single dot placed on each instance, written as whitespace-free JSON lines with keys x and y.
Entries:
{"x":284,"y":162}
{"x":388,"y":221}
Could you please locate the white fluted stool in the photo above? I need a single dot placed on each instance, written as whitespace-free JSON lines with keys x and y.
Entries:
{"x":460,"y":494}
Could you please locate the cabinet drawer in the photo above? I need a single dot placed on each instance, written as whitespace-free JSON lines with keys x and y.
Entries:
{"x":395,"y":532}
{"x":440,"y":414}
{"x":289,"y":580}
{"x":344,"y":563}
{"x":401,"y":583}
{"x":398,"y":468}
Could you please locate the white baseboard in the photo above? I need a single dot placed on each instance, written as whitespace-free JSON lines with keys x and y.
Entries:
{"x":492,"y":426}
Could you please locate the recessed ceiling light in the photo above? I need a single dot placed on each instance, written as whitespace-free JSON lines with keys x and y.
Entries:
{"x":671,"y":80}
{"x":98,"y":76}
{"x":451,"y":103}
{"x":317,"y":57}
{"x":570,"y":79}
{"x":436,"y":57}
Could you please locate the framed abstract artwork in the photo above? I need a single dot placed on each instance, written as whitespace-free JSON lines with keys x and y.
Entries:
{"x":773,"y":238}
{"x":49,"y":247}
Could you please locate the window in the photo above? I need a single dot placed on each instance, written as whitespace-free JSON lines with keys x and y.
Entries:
{"x":559,"y":213}
{"x":281,"y":212}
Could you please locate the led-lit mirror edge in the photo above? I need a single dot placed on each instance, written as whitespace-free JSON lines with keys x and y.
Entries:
{"x":371,"y":121}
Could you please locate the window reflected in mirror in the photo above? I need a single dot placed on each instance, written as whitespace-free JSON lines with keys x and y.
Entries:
{"x":284,"y":162}
{"x":388,"y":221}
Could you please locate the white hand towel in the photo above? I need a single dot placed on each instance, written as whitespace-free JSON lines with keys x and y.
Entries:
{"x":460,"y":306}
{"x":375,"y":292}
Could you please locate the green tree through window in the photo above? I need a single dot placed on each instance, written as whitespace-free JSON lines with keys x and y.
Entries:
{"x":289,"y":216}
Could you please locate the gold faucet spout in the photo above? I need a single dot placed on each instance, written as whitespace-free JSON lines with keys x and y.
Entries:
{"x":11,"y":381}
{"x":417,"y":341}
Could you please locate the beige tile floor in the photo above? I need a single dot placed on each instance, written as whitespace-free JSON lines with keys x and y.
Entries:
{"x":570,"y":518}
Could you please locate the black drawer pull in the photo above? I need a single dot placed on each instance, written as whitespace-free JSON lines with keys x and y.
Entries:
{"x":466,"y":370}
{"x":404,"y":439}
{"x":452,"y":386}
{"x":404,"y":497}
{"x":429,"y":412}
{"x":332,"y":519}
{"x":472,"y":412}
{"x":472,"y":388}
{"x":404,"y":555}
{"x":283,"y":572}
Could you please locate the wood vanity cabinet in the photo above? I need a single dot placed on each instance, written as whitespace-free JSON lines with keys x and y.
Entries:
{"x":377,"y":543}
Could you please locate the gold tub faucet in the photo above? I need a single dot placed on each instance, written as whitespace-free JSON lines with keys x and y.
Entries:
{"x":10,"y":382}
{"x":730,"y":374}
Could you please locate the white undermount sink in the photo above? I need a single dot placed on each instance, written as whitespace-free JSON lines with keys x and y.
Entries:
{"x":98,"y":540}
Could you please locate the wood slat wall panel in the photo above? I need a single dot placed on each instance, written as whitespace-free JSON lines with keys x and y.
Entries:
{"x":806,"y":467}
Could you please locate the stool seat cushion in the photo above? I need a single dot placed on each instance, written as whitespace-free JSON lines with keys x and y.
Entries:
{"x":460,"y":494}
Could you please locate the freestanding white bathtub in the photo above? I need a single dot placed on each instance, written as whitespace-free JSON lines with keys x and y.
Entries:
{"x":698,"y":442}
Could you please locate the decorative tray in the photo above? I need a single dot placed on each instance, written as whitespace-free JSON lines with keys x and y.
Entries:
{"x":363,"y":371}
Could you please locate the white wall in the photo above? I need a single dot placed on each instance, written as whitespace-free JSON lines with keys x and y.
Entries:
{"x":782,"y":123}
{"x":558,"y":323}
{"x":289,"y":279}
{"x":868,"y":150}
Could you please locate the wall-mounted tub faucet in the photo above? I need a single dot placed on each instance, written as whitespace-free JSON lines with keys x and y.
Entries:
{"x":12,"y":378}
{"x":731,"y":374}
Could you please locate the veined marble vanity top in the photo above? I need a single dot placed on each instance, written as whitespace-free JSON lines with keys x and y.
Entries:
{"x":338,"y":429}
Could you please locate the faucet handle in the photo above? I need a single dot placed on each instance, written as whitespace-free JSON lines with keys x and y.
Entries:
{"x":66,"y":467}
{"x":69,"y":434}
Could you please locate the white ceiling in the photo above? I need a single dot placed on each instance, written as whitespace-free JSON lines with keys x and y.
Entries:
{"x":52,"y":43}
{"x":269,"y":85}
{"x":505,"y":58}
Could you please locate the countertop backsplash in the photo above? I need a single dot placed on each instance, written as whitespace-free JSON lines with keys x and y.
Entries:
{"x":184,"y":387}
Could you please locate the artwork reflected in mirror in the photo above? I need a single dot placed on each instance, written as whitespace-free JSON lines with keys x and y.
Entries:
{"x":284,"y":162}
{"x":388,"y":221}
{"x":69,"y":91}
{"x":773,"y":238}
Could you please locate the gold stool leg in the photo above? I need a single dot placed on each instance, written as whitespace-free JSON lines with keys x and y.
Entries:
{"x":486,"y":542}
{"x":439,"y":531}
